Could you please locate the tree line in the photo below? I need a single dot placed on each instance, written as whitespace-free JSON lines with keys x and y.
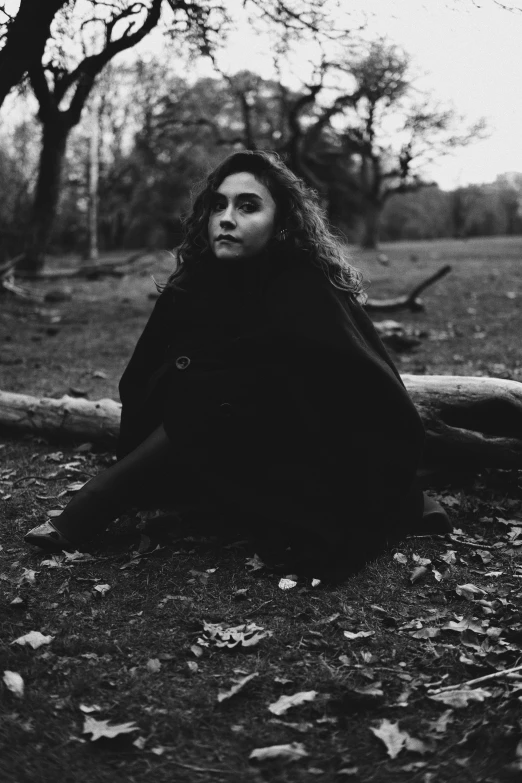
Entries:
{"x":358,"y":131}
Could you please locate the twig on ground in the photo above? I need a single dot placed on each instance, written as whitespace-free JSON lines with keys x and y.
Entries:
{"x":257,"y":608}
{"x":467,"y":683}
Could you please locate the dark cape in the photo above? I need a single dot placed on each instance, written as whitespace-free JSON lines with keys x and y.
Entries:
{"x":290,"y":410}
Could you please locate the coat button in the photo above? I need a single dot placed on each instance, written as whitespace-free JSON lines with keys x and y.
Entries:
{"x":182,"y":362}
{"x":226,"y":409}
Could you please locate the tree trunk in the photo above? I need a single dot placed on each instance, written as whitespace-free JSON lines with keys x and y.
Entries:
{"x":25,"y":41}
{"x":470,"y":422}
{"x":372,"y":218}
{"x":52,"y":155}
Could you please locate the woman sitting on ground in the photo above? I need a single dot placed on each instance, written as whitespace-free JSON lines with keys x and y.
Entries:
{"x":260,"y":384}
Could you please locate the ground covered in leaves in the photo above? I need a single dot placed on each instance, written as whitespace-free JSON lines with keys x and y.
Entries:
{"x":164,"y":655}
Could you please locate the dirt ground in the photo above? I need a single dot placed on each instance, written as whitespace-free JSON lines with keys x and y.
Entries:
{"x":133,"y":632}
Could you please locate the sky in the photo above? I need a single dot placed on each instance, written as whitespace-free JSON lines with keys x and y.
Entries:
{"x":467,"y":52}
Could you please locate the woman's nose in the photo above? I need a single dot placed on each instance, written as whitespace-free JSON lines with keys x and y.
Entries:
{"x":227,"y":217}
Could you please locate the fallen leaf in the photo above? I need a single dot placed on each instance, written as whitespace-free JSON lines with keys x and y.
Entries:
{"x":285,"y":702}
{"x":28,"y":576}
{"x":425,"y":633}
{"x":470,"y":592}
{"x":101,"y":728}
{"x":286,"y":584}
{"x":153,"y":665}
{"x":449,"y":557}
{"x":55,"y":561}
{"x":464,"y":625}
{"x":75,"y":486}
{"x":461,"y":698}
{"x":316,"y":582}
{"x":240,"y":684}
{"x":140,"y":743}
{"x":102,"y":589}
{"x":422,"y":561}
{"x":358,"y":635}
{"x":71,"y":557}
{"x":418,"y":573}
{"x":34,"y":638}
{"x":440,"y":725}
{"x":88,"y":709}
{"x":14,"y":682}
{"x":400,"y":558}
{"x":292,"y":752}
{"x":246,"y":635}
{"x":393,"y":738}
{"x":254,"y":563}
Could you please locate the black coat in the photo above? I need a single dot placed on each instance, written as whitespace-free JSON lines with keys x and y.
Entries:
{"x":289,"y":406}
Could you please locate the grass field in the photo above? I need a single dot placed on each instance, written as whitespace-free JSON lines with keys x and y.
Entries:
{"x":373,"y":651}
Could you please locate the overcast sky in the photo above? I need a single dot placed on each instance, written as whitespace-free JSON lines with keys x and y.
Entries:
{"x":471,"y":54}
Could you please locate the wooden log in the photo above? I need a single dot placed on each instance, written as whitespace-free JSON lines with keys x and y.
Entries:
{"x":67,"y":417}
{"x":475,"y":421}
{"x":470,"y":421}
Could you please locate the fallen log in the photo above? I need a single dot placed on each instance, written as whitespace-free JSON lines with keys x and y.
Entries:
{"x":67,"y":417}
{"x":469,"y":421}
{"x":409,"y":301}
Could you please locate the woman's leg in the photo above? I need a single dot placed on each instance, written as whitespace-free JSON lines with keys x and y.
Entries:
{"x":109,"y":493}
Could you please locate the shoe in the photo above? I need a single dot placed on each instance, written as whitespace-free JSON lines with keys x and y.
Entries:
{"x":434,"y":520}
{"x":46,"y":536}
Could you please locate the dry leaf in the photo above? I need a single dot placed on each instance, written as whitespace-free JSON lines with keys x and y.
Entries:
{"x":286,"y":584}
{"x":358,"y":635}
{"x":102,"y":589}
{"x":28,"y":576}
{"x":101,"y":728}
{"x":14,"y":682}
{"x":246,"y":635}
{"x":469,"y":592}
{"x":292,"y":752}
{"x":34,"y":638}
{"x":80,"y":557}
{"x":400,"y":558}
{"x":425,"y":633}
{"x":88,"y":709}
{"x":441,"y":724}
{"x":461,"y":698}
{"x":285,"y":702}
{"x":418,"y":573}
{"x":422,"y":561}
{"x":240,"y":684}
{"x":449,"y":557}
{"x":254,"y":563}
{"x":392,"y":736}
{"x":464,"y":625}
{"x":153,"y":665}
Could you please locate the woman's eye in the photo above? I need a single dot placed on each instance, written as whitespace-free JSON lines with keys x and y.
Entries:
{"x":217,"y":207}
{"x":249,"y":206}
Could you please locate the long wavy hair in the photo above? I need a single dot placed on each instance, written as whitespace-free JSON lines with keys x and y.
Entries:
{"x":302,"y":226}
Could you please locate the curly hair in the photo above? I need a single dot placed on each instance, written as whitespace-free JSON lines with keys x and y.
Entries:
{"x":301,"y":221}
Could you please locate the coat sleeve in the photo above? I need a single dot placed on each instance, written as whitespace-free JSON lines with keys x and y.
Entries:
{"x":145,"y":362}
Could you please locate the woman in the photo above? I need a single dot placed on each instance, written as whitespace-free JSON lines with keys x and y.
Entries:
{"x":260,"y":383}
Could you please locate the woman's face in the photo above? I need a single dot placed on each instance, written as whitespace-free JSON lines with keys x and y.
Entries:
{"x":242,"y":217}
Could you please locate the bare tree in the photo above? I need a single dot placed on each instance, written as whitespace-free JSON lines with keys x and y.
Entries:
{"x":382,"y":133}
{"x":24,"y":39}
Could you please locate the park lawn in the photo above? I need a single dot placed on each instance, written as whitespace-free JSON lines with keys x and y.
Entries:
{"x":370,"y":650}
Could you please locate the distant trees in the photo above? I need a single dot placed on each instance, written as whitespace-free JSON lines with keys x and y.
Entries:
{"x":490,"y":209}
{"x":382,"y":133}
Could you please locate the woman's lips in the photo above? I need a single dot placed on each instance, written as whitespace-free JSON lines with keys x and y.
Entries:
{"x":226,"y":239}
